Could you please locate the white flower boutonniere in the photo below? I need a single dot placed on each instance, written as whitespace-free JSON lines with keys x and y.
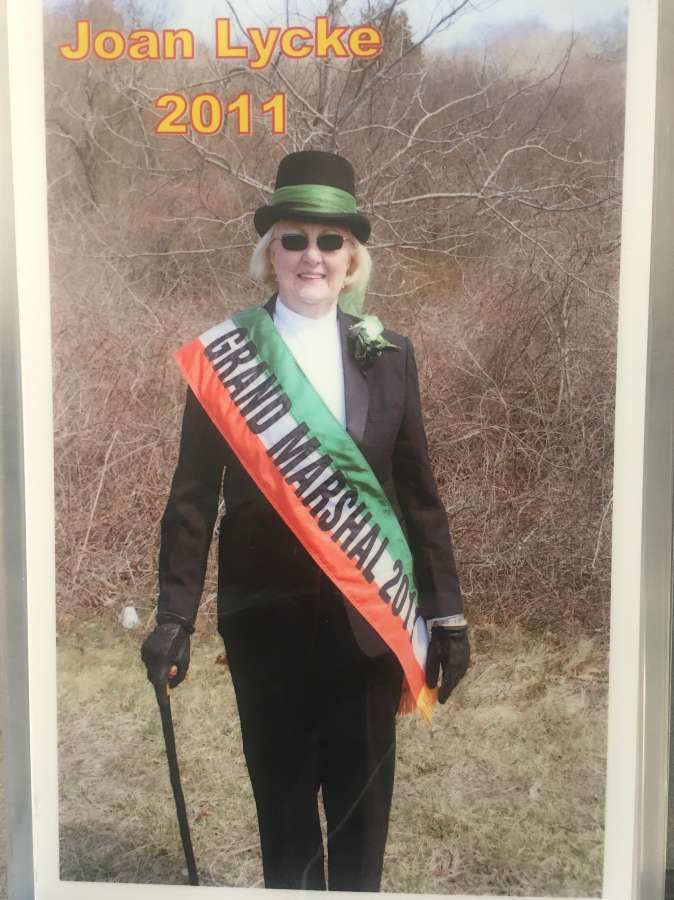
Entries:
{"x":366,"y":341}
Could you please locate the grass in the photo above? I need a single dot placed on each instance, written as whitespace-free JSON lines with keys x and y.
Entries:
{"x":504,"y":794}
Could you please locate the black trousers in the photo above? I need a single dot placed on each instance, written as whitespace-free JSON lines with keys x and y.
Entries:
{"x":316,"y":714}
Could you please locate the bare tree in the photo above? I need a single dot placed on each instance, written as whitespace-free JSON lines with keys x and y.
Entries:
{"x":492,"y":180}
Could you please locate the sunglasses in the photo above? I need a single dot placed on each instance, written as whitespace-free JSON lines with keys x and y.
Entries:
{"x":326,"y":242}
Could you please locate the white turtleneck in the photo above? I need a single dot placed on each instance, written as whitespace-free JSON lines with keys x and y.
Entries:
{"x":316,"y":345}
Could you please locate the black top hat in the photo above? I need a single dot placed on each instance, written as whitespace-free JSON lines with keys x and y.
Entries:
{"x":314,"y":186}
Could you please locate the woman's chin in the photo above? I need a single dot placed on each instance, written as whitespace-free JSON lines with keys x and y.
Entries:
{"x":315,"y":295}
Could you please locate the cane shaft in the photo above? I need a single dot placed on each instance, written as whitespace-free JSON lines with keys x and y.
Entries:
{"x":174,"y":775}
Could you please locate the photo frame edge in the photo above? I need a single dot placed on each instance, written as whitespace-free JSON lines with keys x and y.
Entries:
{"x":634,"y":867}
{"x":36,"y":839}
{"x":658,"y":487}
{"x":13,"y":619}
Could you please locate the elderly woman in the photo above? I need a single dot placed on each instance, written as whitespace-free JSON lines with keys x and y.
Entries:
{"x":335,"y":559}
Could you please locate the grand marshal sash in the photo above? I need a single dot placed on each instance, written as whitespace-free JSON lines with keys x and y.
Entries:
{"x":313,"y":474}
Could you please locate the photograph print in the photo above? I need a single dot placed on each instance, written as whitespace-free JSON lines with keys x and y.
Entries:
{"x":334,"y":308}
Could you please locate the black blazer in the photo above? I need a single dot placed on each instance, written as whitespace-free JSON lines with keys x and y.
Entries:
{"x":260,"y":560}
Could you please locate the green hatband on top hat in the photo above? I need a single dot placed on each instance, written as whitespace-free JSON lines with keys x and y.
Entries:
{"x":314,"y":186}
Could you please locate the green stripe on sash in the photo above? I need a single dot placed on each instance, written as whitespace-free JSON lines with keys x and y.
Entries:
{"x":308,"y":406}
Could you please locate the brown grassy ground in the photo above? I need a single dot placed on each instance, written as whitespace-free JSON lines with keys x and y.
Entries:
{"x":504,"y":794}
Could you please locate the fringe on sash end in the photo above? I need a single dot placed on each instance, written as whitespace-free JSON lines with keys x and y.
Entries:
{"x":424,"y":705}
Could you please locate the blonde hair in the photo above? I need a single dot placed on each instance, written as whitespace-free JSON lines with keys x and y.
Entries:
{"x":262,"y":271}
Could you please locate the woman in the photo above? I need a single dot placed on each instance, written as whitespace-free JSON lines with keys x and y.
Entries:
{"x":334,"y":550}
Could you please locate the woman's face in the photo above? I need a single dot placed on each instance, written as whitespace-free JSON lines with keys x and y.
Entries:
{"x":310,"y":280}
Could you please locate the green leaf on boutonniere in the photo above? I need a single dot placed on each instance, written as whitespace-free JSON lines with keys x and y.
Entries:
{"x":367,"y":342}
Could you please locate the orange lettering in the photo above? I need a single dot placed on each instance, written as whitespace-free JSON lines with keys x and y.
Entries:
{"x":329,"y":40}
{"x":263,"y":45}
{"x":288,"y":47}
{"x":109,"y":44}
{"x":223,"y":48}
{"x":143,"y":44}
{"x":82,"y":42}
{"x":186,"y":38}
{"x":365,"y":42}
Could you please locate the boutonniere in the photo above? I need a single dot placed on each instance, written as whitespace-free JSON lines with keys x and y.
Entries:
{"x":366,"y":341}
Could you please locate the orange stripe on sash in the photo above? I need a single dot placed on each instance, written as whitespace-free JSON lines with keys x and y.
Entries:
{"x":252,"y":453}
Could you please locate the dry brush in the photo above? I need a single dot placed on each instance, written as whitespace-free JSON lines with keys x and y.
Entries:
{"x":492,"y":179}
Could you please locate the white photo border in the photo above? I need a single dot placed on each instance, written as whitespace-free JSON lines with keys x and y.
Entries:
{"x":642,"y":531}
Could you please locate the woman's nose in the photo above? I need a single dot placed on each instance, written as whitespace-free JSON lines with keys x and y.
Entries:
{"x":312,"y":253}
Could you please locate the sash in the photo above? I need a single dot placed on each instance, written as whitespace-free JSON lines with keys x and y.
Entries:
{"x":313,"y":474}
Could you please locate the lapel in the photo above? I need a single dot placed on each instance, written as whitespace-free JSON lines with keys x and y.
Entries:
{"x":356,"y":393}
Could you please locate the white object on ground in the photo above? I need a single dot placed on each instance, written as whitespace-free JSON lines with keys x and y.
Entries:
{"x":128,"y":618}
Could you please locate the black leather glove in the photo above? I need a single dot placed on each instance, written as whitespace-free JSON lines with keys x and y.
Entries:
{"x":168,"y":645}
{"x":449,"y":649}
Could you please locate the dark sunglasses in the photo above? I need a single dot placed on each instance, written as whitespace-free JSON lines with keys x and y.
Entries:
{"x":325,"y":242}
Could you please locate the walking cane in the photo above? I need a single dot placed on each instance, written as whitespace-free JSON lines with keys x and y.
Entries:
{"x":164,"y":701}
